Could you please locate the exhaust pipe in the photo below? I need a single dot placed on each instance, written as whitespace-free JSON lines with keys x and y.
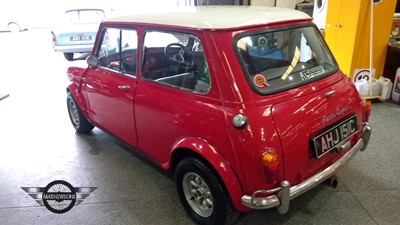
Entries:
{"x":331,"y":181}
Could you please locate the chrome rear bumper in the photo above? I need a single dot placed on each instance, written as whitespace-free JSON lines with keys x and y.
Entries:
{"x":282,"y":195}
{"x":73,"y":48}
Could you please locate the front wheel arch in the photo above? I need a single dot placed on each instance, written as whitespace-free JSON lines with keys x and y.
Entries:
{"x":78,"y":119}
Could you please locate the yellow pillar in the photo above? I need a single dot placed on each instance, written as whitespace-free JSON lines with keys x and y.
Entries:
{"x":347,"y":33}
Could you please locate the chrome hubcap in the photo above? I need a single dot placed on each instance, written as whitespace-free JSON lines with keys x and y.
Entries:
{"x":198,"y":194}
{"x":73,"y":111}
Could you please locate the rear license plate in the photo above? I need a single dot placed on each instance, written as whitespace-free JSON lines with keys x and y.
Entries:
{"x":80,"y":38}
{"x":331,"y":137}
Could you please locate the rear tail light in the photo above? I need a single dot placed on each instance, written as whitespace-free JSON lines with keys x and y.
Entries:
{"x":367,"y":110}
{"x":270,"y":164}
{"x":53,"y":37}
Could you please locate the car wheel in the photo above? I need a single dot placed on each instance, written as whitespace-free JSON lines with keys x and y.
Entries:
{"x":14,"y":27}
{"x":69,"y":56}
{"x":79,"y":121}
{"x":202,"y":194}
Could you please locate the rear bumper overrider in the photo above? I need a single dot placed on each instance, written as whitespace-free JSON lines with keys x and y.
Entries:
{"x":282,"y":195}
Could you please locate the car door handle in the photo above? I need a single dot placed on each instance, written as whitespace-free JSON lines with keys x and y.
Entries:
{"x":124,"y":87}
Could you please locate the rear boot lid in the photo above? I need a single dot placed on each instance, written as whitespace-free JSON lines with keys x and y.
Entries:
{"x":315,"y":129}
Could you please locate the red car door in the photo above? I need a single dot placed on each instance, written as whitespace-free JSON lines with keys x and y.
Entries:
{"x":110,"y":87}
{"x":110,"y":102}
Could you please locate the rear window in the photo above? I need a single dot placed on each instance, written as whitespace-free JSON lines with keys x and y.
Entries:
{"x":84,"y":16}
{"x":277,"y":60}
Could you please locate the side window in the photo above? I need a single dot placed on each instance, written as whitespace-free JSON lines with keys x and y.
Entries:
{"x":119,"y":50}
{"x":177,"y":60}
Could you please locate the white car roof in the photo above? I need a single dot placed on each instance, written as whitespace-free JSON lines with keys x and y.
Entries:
{"x":216,"y":17}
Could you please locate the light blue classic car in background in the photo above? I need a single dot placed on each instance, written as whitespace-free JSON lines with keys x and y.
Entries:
{"x":77,"y":32}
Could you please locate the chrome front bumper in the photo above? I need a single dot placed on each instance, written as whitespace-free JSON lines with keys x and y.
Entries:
{"x":282,"y":195}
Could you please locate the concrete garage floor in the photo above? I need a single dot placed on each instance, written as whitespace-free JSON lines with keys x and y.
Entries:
{"x":38,"y":145}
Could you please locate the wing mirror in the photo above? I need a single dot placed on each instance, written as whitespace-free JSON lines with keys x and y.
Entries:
{"x":92,"y":61}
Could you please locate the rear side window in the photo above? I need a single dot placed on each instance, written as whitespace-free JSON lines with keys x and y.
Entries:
{"x":277,"y":60}
{"x":176,"y":60}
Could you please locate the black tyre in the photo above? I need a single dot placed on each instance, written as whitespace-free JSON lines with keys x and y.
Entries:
{"x":202,"y":194}
{"x":79,"y":121}
{"x":69,"y":56}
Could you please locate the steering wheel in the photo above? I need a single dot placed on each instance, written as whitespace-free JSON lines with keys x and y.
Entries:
{"x":184,"y":56}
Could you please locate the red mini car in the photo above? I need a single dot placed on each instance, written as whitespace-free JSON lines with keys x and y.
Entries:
{"x":246,"y":105}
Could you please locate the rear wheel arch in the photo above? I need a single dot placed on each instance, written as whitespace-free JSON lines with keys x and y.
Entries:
{"x":210,"y":157}
{"x":202,"y":194}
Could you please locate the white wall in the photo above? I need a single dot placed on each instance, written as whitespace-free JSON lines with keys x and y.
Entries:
{"x":319,"y":13}
{"x":278,"y":3}
{"x":291,"y":4}
{"x":263,"y":2}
